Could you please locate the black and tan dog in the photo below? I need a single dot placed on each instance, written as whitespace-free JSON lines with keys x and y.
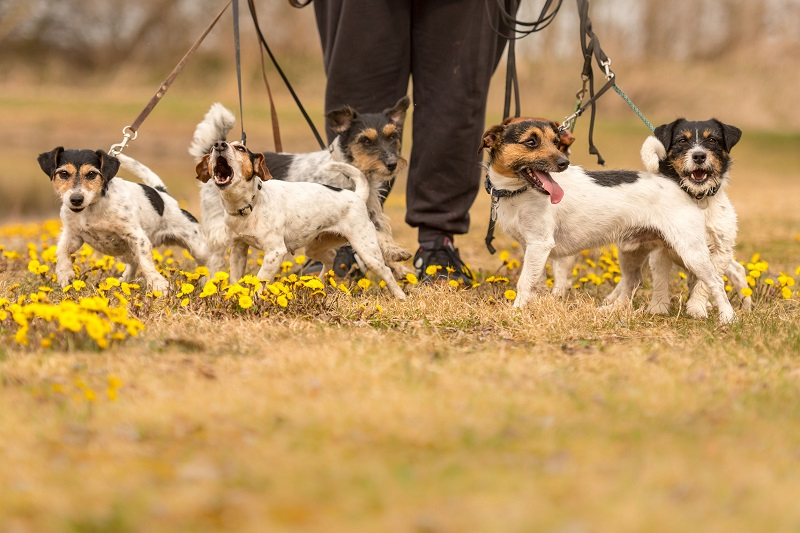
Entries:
{"x":370,"y":142}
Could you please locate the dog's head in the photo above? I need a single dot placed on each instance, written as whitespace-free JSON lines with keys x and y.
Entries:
{"x":529,"y":151}
{"x":231,"y":164}
{"x":79,"y":177}
{"x":697,"y":153}
{"x":565,"y":137}
{"x":371,"y":142}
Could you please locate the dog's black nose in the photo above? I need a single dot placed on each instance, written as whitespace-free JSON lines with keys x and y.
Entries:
{"x":699,"y":158}
{"x":391,"y":165}
{"x":220,"y":145}
{"x":562,"y":164}
{"x":76,"y":199}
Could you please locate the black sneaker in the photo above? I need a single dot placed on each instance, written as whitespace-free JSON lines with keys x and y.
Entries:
{"x":439,"y":260}
{"x":346,"y":265}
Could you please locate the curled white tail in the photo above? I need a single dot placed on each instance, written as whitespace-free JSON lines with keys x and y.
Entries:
{"x":141,"y":171}
{"x":652,"y":153}
{"x":214,"y":127}
{"x":355,"y":175}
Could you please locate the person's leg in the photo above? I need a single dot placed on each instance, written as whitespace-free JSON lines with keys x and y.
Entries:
{"x":366,"y":52}
{"x":455,"y":51}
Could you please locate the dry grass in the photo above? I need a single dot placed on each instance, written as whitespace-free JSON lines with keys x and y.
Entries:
{"x":448,"y":412}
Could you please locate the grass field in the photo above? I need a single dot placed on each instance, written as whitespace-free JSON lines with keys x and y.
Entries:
{"x":350,"y":411}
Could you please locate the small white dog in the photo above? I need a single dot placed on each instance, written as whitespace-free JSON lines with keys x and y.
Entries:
{"x":114,"y":216}
{"x":696,"y":156}
{"x":280,"y":217}
{"x":588,"y":209}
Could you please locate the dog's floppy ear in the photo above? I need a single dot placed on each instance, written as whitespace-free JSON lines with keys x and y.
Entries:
{"x":260,"y":167}
{"x":491,"y":137}
{"x":397,"y":113}
{"x":731,"y":134}
{"x":341,"y":119}
{"x":202,"y":169}
{"x":48,"y":161}
{"x":109,"y":165}
{"x":664,"y":133}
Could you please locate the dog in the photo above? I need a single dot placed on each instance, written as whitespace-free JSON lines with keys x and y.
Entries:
{"x":279,"y":217}
{"x":370,"y":141}
{"x":114,"y":216}
{"x":586,"y":209}
{"x":696,"y":156}
{"x":565,"y":137}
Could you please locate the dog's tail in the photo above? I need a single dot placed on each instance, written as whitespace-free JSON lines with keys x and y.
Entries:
{"x":214,"y":127}
{"x":142,"y":172}
{"x":355,"y":175}
{"x":652,"y":152}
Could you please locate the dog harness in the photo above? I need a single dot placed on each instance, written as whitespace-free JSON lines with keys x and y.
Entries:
{"x":496,"y":194}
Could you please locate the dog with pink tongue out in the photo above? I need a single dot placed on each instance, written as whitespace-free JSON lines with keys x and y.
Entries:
{"x":586,"y":209}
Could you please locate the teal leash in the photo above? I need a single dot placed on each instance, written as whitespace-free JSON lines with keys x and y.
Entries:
{"x":633,"y":106}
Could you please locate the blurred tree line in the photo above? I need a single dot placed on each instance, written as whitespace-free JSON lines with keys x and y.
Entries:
{"x":98,"y":35}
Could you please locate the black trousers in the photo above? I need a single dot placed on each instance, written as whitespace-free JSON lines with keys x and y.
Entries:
{"x":450,"y":50}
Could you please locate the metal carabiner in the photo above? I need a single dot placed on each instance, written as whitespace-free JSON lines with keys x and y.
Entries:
{"x":128,"y":134}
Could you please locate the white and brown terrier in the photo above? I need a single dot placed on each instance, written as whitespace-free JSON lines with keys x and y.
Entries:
{"x":114,"y":216}
{"x":695,"y":155}
{"x":587,"y":209}
{"x":280,"y":217}
{"x":370,"y":142}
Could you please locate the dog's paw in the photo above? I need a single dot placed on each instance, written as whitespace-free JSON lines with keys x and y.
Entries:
{"x":696,"y":311}
{"x":660,"y":308}
{"x":159,"y":284}
{"x":727,"y":317}
{"x":747,"y":304}
{"x":65,"y":280}
{"x":652,"y":153}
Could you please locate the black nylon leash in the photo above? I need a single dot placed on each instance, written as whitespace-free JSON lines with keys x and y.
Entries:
{"x":266,"y":47}
{"x":237,"y":51}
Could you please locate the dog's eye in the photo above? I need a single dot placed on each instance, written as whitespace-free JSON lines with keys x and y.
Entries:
{"x":532,"y":143}
{"x":63,"y":174}
{"x":682,"y":140}
{"x":240,"y":147}
{"x":91,"y":175}
{"x":366,"y":141}
{"x":712,"y":140}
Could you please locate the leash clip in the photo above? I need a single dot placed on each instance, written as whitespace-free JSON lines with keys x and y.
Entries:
{"x":128,"y":134}
{"x":607,"y":66}
{"x":493,"y":209}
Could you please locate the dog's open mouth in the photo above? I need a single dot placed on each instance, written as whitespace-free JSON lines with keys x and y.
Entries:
{"x":223,"y":173}
{"x":543,"y":182}
{"x":699,"y":175}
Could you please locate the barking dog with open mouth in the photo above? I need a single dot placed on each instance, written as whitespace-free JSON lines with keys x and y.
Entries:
{"x":114,"y":216}
{"x":367,"y":141}
{"x":280,"y":217}
{"x":696,"y":156}
{"x":587,"y":209}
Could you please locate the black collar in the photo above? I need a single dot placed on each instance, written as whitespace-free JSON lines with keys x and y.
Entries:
{"x":501,"y":193}
{"x":710,"y":192}
{"x":246,"y":210}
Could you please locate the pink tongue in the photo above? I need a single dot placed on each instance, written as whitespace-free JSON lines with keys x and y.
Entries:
{"x":555,"y":190}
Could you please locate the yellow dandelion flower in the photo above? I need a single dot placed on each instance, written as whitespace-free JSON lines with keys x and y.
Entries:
{"x":453,"y":283}
{"x":112,"y":394}
{"x":682,"y":275}
{"x":432,"y":269}
{"x":343,"y":288}
{"x":411,"y":278}
{"x":747,"y":291}
{"x":510,"y":294}
{"x":209,"y":289}
{"x":755,"y":273}
{"x":364,"y":283}
{"x":36,"y":267}
{"x":786,"y":292}
{"x":112,"y":282}
{"x":184,"y":302}
{"x":769,"y":281}
{"x":220,"y":275}
{"x":378,"y":308}
{"x":282,"y":300}
{"x":186,"y":288}
{"x":513,"y":264}
{"x":728,"y":288}
{"x":751,"y":281}
{"x":286,"y":266}
{"x":549,"y":283}
{"x":245,"y":302}
{"x":89,"y":395}
{"x":504,"y":255}
{"x":756,"y":257}
{"x":314,"y":284}
{"x":21,"y":336}
{"x":300,"y":259}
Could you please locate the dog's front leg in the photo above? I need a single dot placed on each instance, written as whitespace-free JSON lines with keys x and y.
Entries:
{"x":660,"y":266}
{"x":696,"y":258}
{"x":532,"y":268}
{"x":238,"y":259}
{"x":68,"y":244}
{"x":271,"y":264}
{"x":737,"y":275}
{"x":142,"y":252}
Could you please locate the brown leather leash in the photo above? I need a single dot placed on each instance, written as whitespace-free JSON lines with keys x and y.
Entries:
{"x":129,"y":133}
